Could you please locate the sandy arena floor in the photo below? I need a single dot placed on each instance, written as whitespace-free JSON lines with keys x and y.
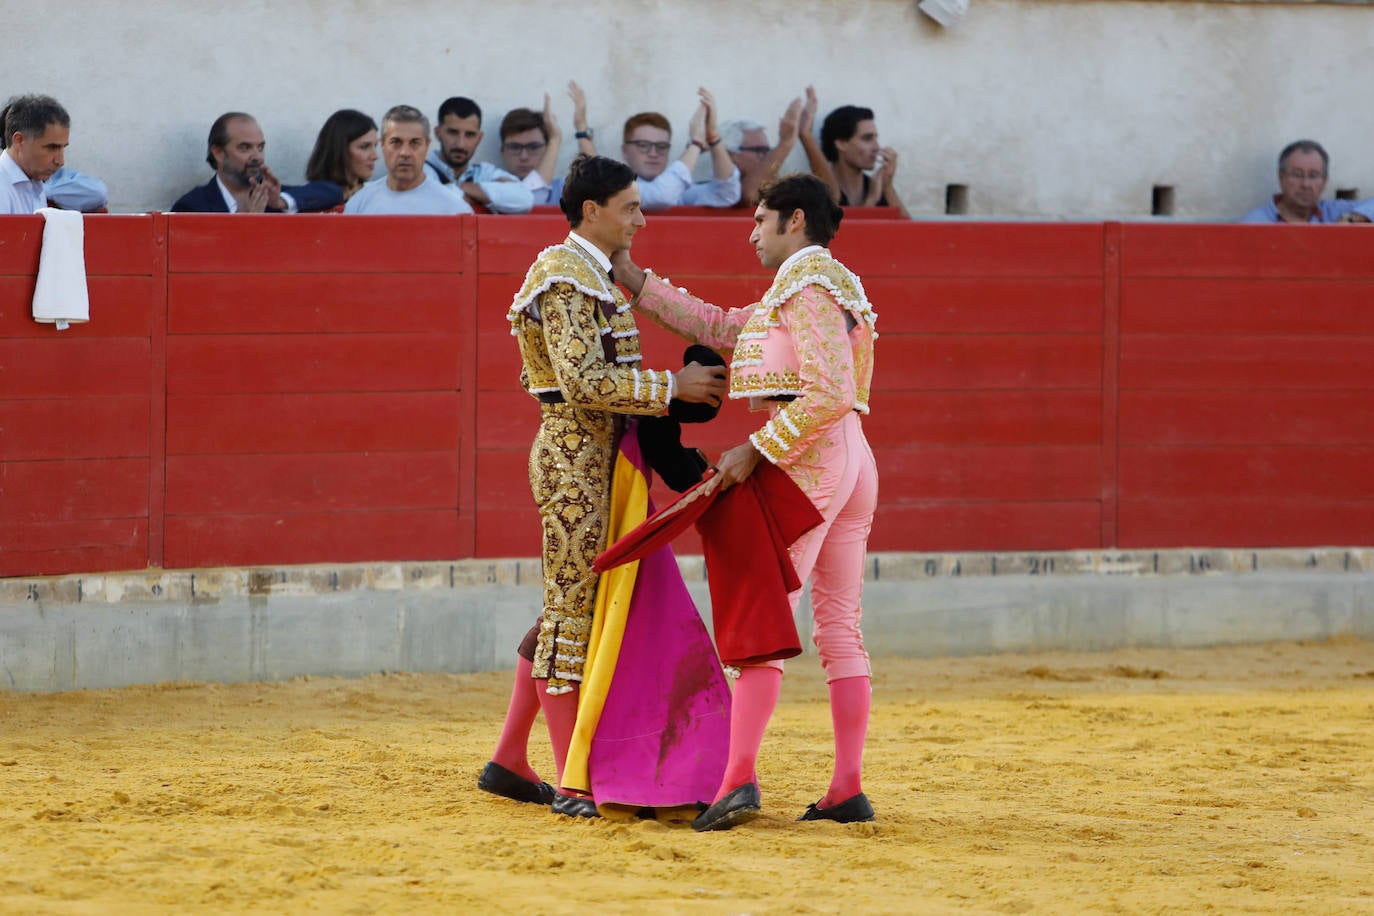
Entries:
{"x":1224,"y":780}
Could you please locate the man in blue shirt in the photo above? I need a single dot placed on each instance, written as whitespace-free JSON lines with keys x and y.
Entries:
{"x":65,"y":188}
{"x":408,"y":188}
{"x":459,"y":132}
{"x":1303,"y":167}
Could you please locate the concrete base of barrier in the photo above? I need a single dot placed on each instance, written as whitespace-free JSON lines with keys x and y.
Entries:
{"x":230,"y":625}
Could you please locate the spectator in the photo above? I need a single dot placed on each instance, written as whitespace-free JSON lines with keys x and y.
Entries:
{"x":459,"y":133}
{"x":746,"y":141}
{"x":243,"y":183}
{"x":648,"y":138}
{"x":345,"y":151}
{"x":1303,"y":167}
{"x":65,"y":188}
{"x":406,"y":189}
{"x":862,"y":170}
{"x":530,"y":143}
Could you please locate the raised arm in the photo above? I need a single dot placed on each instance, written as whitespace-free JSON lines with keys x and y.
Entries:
{"x":678,"y":310}
{"x":787,"y":139}
{"x":815,"y":157}
{"x":549,"y":161}
{"x":580,"y":128}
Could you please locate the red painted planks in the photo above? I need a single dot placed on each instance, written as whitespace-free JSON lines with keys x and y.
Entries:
{"x":1261,"y":520}
{"x":114,"y":245}
{"x":311,"y":362}
{"x":74,"y":428}
{"x":313,"y":243}
{"x":976,"y":474}
{"x":311,"y":303}
{"x":1289,"y":473}
{"x":327,"y":422}
{"x":55,"y":548}
{"x":980,"y":250}
{"x":1175,"y":361}
{"x":119,"y":307}
{"x":1261,"y":417}
{"x":1248,"y":251}
{"x":985,"y":418}
{"x":259,"y":484}
{"x":73,"y":536}
{"x":60,"y":491}
{"x":921,"y":305}
{"x":74,"y":367}
{"x":967,"y":361}
{"x":1247,"y":306}
{"x":512,"y":532}
{"x":316,"y":537}
{"x":937,"y":526}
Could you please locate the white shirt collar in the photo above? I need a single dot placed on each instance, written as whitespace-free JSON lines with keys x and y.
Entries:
{"x":797,"y":256}
{"x":229,"y":200}
{"x":592,"y":250}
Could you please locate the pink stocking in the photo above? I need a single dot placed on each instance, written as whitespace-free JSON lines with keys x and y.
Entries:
{"x":560,"y":714}
{"x":512,"y":748}
{"x":755,"y":698}
{"x":850,"y":699}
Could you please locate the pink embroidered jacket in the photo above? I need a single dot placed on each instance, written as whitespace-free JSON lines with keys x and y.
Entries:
{"x":807,"y":346}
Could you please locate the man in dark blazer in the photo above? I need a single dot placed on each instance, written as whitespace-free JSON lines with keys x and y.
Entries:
{"x":243,"y":183}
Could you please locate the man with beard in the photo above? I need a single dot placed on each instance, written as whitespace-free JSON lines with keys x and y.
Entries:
{"x":459,"y":132}
{"x":243,"y":183}
{"x":407,"y":189}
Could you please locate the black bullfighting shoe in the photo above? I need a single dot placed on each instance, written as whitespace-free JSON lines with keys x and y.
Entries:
{"x":742,"y":804}
{"x":850,"y":811}
{"x":498,"y":780}
{"x":574,"y":806}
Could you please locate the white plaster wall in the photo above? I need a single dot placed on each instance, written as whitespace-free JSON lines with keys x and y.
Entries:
{"x":1045,"y":109}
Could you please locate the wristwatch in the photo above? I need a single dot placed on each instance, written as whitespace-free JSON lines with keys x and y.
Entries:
{"x":583,"y":134}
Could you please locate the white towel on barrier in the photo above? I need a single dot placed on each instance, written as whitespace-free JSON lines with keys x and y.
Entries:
{"x":60,"y":296}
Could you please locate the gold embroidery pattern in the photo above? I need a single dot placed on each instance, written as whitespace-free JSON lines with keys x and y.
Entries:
{"x":576,"y":336}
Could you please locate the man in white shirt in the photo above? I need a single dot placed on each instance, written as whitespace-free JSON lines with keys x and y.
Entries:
{"x":648,"y":138}
{"x":66,"y":188}
{"x":459,"y":132}
{"x":37,"y":129}
{"x":407,"y":189}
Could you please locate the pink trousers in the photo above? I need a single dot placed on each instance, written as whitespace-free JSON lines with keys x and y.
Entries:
{"x":841,"y":478}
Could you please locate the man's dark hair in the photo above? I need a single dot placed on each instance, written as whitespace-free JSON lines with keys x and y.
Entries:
{"x":462,"y":107}
{"x":841,"y":124}
{"x":592,"y":178}
{"x":30,"y":115}
{"x":519,"y":120}
{"x":807,"y":193}
{"x":329,"y":158}
{"x":219,"y":135}
{"x":1304,"y":146}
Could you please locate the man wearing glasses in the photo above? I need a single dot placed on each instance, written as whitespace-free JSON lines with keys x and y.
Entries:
{"x":746,"y":140}
{"x":1303,"y":166}
{"x":530,"y":143}
{"x":647,"y":141}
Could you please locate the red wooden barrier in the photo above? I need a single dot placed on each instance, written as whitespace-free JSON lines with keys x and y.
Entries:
{"x":270,"y":390}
